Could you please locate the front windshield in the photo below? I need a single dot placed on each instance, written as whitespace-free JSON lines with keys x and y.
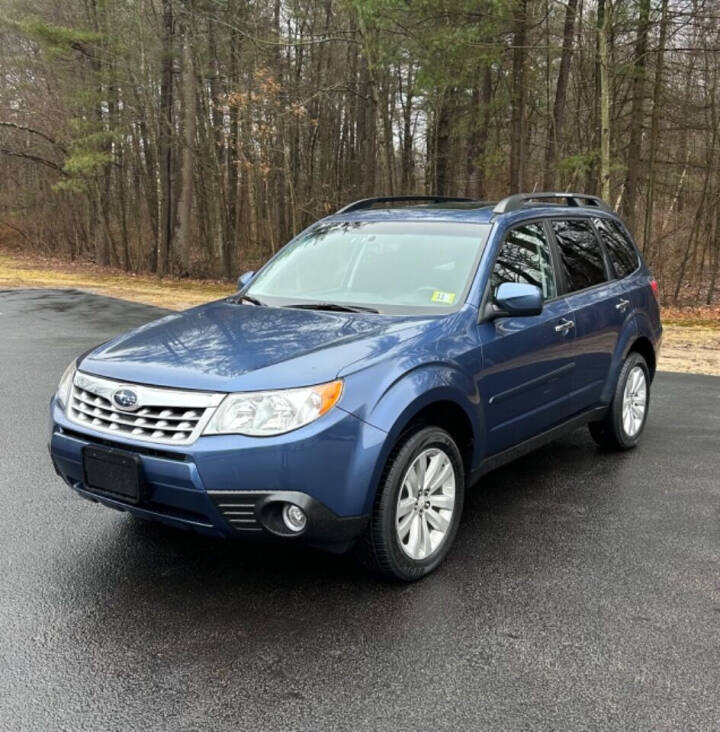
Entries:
{"x":392,"y":266}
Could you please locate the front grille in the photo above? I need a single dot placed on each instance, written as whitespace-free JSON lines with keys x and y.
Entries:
{"x":162,"y":423}
{"x":169,"y":416}
{"x":238,"y":509}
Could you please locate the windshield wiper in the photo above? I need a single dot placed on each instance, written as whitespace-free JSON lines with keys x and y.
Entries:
{"x":246,"y":298}
{"x":332,"y":306}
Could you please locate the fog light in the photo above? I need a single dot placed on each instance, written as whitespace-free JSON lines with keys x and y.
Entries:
{"x":294,"y":517}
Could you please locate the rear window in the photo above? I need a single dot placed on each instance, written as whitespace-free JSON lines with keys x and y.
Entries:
{"x":581,"y":256}
{"x":620,"y":249}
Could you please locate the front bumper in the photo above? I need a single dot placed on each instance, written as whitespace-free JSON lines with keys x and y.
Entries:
{"x":326,"y":468}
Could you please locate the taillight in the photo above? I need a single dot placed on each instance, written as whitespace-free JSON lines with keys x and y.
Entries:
{"x":654,"y":287}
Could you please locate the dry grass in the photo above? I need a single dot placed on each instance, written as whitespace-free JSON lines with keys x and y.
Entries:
{"x":691,"y":349}
{"x":18,"y":271}
{"x":691,"y":343}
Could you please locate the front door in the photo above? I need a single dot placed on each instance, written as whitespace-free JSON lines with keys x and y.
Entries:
{"x":528,"y":361}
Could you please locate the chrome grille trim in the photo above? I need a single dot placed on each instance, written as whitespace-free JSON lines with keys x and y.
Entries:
{"x":165,"y":416}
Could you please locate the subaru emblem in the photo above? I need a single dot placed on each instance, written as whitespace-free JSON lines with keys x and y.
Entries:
{"x":125,"y":398}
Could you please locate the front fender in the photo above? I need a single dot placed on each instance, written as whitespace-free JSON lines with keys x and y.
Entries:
{"x":412,"y":392}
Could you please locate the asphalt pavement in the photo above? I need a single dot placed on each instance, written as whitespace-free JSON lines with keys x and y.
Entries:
{"x":583,"y":591}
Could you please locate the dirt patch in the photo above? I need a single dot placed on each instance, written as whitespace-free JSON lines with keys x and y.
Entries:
{"x":690,"y":349}
{"x":691,"y":342}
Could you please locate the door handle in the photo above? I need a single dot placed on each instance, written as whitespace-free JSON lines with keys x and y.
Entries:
{"x":564,"y":326}
{"x":622,"y":305}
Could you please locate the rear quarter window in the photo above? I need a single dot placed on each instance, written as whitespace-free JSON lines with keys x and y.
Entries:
{"x":581,"y":256}
{"x":620,"y":249}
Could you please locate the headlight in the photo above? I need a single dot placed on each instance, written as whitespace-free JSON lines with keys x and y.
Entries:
{"x":66,"y":380}
{"x":264,"y":413}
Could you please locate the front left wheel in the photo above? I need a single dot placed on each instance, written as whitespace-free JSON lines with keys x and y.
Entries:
{"x":417,"y":508}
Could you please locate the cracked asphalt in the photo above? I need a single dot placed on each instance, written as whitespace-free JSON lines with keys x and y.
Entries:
{"x":583,"y":591}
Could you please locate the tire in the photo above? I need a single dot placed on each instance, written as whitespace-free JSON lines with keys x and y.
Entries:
{"x":407,"y":538}
{"x":616,"y":431}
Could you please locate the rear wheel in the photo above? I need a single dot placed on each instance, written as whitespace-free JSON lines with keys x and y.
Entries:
{"x":417,"y":509}
{"x":625,"y":420}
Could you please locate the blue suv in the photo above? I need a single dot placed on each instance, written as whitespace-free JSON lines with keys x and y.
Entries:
{"x":376,"y":366}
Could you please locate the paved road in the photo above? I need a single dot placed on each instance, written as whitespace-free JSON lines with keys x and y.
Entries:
{"x":583,"y":592}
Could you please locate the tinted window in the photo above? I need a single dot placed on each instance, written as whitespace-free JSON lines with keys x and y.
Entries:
{"x":525,"y":257}
{"x":620,"y":249}
{"x":580,"y":254}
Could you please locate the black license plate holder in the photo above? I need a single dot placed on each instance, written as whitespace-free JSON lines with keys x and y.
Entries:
{"x":113,"y":473}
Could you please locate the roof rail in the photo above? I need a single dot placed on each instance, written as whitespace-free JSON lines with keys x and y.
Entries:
{"x":370,"y":202}
{"x":522,"y":200}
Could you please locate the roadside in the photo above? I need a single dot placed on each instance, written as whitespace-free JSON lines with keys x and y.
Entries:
{"x":29,"y":270}
{"x":691,"y":342}
{"x":691,"y":349}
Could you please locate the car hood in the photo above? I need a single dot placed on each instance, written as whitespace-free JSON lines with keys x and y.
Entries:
{"x":225,"y":346}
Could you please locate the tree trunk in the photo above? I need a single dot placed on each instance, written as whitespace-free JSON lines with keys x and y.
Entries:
{"x":716,"y":264}
{"x":655,"y":129}
{"x":482,"y":96}
{"x":234,"y":187}
{"x":184,"y":227}
{"x":408,"y":162}
{"x":604,"y":61}
{"x":366,"y":128}
{"x":637,"y":117}
{"x":388,"y":105}
{"x":518,"y":96}
{"x":441,"y":166}
{"x":555,"y":128}
{"x":165,"y":136}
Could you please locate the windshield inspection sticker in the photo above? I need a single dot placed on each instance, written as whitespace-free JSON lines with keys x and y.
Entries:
{"x":446,"y":298}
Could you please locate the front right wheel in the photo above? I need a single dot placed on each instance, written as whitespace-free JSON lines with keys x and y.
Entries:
{"x":417,"y":508}
{"x":624,"y":422}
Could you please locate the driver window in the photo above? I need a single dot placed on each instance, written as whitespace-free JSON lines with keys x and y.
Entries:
{"x":525,"y":257}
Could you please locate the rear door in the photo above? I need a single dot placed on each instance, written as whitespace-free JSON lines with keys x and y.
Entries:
{"x":528,"y":361}
{"x":595,"y":297}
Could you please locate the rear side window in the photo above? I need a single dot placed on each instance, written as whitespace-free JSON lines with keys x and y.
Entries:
{"x":525,"y":257}
{"x":581,"y":255}
{"x":620,"y":249}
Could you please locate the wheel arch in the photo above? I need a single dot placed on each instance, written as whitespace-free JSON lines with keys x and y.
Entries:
{"x":632,"y":338}
{"x":449,"y":416}
{"x":447,"y":403}
{"x":644,"y":347}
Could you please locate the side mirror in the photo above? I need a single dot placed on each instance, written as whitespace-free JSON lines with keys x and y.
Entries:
{"x":245,"y":279}
{"x":518,"y":299}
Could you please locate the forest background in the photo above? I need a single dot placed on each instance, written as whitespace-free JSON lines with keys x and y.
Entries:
{"x":195,"y":137}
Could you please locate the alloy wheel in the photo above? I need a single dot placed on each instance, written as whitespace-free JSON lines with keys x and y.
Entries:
{"x":425,"y":504}
{"x":634,"y":401}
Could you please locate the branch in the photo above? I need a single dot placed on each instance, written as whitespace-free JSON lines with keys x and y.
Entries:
{"x":23,"y":128}
{"x":34,"y":158}
{"x":19,"y":231}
